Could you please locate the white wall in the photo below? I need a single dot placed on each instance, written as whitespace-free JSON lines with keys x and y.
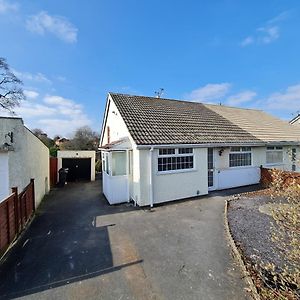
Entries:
{"x":77,"y":154}
{"x":4,"y":182}
{"x":29,"y":159}
{"x":168,"y":186}
{"x":115,"y":122}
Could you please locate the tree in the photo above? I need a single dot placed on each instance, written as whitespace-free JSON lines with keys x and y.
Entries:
{"x":43,"y":137}
{"x":11,"y":93}
{"x":84,"y":139}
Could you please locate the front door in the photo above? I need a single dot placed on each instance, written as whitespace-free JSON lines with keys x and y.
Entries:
{"x":211,"y":169}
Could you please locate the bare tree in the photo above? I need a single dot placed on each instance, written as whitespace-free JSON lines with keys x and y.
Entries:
{"x":84,"y":139}
{"x":43,"y":137}
{"x":11,"y":93}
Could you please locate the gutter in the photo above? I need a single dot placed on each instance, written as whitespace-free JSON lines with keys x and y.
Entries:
{"x":218,"y":145}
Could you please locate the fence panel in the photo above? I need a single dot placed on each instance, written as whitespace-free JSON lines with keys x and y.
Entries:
{"x":15,"y":212}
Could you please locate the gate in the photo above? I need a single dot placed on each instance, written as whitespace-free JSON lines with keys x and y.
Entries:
{"x":53,"y":171}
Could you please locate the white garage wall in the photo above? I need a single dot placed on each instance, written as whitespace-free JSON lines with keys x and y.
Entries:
{"x":77,"y":154}
{"x":29,"y":159}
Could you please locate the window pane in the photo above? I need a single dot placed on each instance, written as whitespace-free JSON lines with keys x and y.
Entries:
{"x":239,"y":159}
{"x":166,"y":151}
{"x":175,"y":163}
{"x":118,"y":163}
{"x":185,"y":150}
{"x":235,"y":149}
{"x":245,"y":149}
{"x":106,"y":164}
{"x":274,"y":156}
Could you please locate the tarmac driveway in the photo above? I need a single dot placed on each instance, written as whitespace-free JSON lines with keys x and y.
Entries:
{"x":79,"y":247}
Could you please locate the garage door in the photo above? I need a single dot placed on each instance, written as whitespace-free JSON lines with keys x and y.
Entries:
{"x":79,"y":168}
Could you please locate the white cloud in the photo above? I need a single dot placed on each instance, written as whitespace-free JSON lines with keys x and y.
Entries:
{"x":247,"y":41}
{"x":58,"y":100}
{"x":31,"y":94}
{"x":288,"y":100}
{"x":53,"y":114}
{"x":240,"y":98}
{"x":37,"y":77}
{"x":59,"y":26}
{"x":63,"y":126}
{"x":281,"y":17}
{"x":6,"y":6}
{"x":269,"y":34}
{"x":29,"y":110}
{"x":209,"y":92}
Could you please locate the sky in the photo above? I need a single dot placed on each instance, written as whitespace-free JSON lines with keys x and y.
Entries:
{"x":70,"y":54}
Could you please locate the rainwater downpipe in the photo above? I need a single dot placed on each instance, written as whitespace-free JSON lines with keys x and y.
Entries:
{"x":151,"y":178}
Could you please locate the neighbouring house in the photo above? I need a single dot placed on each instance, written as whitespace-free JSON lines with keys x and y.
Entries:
{"x":296,"y":120}
{"x":22,"y":157}
{"x":80,"y":164}
{"x":156,"y":150}
{"x":61,"y":141}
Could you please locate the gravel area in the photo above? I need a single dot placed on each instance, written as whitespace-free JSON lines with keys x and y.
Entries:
{"x":251,"y":229}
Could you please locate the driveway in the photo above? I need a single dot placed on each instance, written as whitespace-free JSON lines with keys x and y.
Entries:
{"x":79,"y":247}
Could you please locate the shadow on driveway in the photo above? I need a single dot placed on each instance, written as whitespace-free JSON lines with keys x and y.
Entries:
{"x":62,"y":244}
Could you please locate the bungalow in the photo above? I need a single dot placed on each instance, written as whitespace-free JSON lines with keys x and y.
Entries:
{"x":156,"y":150}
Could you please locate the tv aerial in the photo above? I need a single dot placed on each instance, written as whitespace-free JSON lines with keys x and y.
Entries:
{"x":159,"y":93}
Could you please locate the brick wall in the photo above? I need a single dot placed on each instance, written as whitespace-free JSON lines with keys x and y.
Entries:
{"x":288,"y":178}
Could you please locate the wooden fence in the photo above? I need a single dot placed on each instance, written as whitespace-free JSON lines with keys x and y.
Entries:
{"x":15,"y":212}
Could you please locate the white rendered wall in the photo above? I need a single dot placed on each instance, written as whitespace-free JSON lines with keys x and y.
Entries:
{"x":77,"y":154}
{"x":30,"y":158}
{"x":4,"y":182}
{"x":170,"y":186}
{"x":115,"y":122}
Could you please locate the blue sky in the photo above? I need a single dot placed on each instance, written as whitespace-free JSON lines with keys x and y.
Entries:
{"x":69,"y":54}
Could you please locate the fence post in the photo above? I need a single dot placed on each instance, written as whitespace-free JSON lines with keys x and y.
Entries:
{"x":33,"y":194}
{"x":16,"y":206}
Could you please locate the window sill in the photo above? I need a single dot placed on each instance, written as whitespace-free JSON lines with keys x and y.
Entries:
{"x":175,"y":171}
{"x":275,"y":164}
{"x":241,"y":167}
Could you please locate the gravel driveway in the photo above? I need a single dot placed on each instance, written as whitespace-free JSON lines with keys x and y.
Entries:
{"x":251,"y":227}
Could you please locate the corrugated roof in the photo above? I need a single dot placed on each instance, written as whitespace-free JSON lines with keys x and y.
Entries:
{"x":153,"y":120}
{"x":258,"y":123}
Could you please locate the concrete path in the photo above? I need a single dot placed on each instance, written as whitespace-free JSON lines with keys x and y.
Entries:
{"x":79,"y":247}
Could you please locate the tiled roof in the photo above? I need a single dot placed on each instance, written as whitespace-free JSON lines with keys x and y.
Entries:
{"x":258,"y":123}
{"x":163,"y":121}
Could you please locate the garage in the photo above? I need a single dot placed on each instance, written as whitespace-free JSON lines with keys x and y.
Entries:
{"x":80,"y":164}
{"x":78,"y":168}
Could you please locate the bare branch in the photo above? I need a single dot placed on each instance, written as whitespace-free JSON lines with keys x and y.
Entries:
{"x":11,"y":86}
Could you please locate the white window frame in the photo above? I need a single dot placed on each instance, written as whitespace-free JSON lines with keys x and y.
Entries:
{"x":240,"y":151}
{"x":176,"y":154}
{"x":272,"y":149}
